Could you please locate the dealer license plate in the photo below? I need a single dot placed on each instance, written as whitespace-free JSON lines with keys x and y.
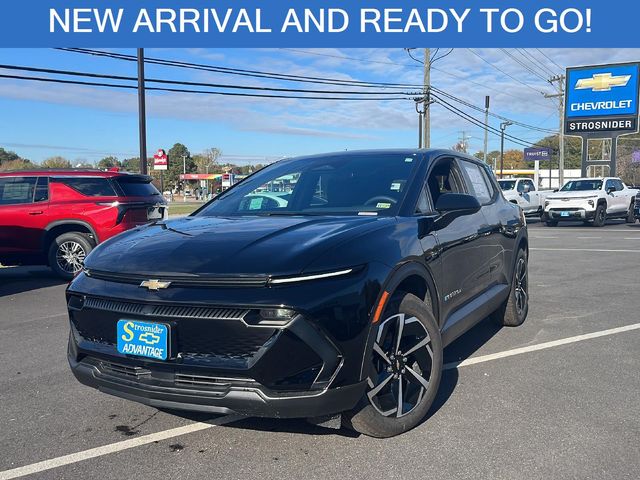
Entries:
{"x":143,"y":339}
{"x":155,"y":213}
{"x":564,"y":214}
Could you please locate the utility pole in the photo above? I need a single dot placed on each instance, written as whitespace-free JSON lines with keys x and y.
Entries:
{"x":184,"y":179}
{"x":426,"y":124}
{"x":503,"y":127}
{"x":560,"y":96}
{"x":142,"y":114}
{"x":486,"y":127}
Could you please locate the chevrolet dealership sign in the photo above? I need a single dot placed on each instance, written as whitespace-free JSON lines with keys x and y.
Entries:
{"x":602,"y":99}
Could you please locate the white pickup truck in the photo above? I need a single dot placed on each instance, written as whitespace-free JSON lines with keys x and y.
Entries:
{"x":591,"y":200}
{"x":523,"y":192}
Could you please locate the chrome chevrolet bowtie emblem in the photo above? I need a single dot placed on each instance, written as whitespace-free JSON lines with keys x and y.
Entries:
{"x":602,"y":82}
{"x":154,"y":284}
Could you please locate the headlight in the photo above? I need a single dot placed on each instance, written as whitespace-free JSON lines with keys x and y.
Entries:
{"x":270,"y":317}
{"x":590,"y":202}
{"x":546,"y":203}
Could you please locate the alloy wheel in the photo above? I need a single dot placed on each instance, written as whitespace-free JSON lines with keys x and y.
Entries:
{"x":521,"y":287}
{"x":70,"y":257}
{"x":401,"y":367}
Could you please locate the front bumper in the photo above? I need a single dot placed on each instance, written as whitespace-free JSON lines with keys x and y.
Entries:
{"x":160,"y":389}
{"x":569,"y":213}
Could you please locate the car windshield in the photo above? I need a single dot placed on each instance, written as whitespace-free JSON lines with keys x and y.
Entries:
{"x":507,"y":184}
{"x":368,"y":184}
{"x":580,"y":185}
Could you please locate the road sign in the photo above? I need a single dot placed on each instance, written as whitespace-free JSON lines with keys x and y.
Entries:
{"x":160,"y":160}
{"x":602,"y":98}
{"x":536,"y":153}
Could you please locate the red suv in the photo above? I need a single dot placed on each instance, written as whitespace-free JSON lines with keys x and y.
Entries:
{"x":56,"y":217}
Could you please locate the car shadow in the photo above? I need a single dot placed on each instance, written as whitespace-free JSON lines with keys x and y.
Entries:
{"x":14,"y":280}
{"x":459,"y":350}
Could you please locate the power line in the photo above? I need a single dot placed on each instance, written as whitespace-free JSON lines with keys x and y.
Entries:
{"x":344,"y":57}
{"x":503,"y":72}
{"x":550,"y":59}
{"x":239,"y":71}
{"x":523,"y":64}
{"x":181,"y":90}
{"x":187,"y":83}
{"x":528,"y":56}
{"x":495,"y":115}
{"x":481,"y":124}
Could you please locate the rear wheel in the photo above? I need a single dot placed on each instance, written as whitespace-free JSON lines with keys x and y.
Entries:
{"x":514,"y":310}
{"x":67,"y":253}
{"x":600,"y":217}
{"x":404,"y":370}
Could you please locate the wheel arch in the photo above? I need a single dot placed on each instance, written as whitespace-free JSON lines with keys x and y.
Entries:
{"x":416,"y":279}
{"x":57,"y":228}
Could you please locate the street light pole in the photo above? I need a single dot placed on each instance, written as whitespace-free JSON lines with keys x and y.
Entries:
{"x":142,"y":114}
{"x":503,"y":127}
{"x":184,"y":179}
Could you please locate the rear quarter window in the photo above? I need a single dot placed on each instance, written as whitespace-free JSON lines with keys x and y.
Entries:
{"x":17,"y":190}
{"x":91,"y":187}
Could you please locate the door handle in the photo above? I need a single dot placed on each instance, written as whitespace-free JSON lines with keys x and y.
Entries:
{"x":37,"y":212}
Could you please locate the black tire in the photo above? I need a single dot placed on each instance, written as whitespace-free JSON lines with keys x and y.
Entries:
{"x":67,"y":253}
{"x":514,"y":310}
{"x":600,"y":217}
{"x":390,"y":372}
{"x":631,"y":217}
{"x":551,"y":223}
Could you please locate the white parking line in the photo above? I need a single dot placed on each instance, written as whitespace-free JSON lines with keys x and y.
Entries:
{"x":113,"y":448}
{"x":539,"y":346}
{"x":583,"y":250}
{"x":587,"y":238}
{"x":196,"y":427}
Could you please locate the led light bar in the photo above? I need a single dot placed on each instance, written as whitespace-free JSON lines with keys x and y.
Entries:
{"x":304,"y":278}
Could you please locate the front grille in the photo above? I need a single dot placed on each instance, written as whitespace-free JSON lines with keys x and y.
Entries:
{"x":566,"y":209}
{"x":208,"y":335}
{"x":171,"y":311}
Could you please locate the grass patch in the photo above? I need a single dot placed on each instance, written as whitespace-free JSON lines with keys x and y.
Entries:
{"x":178,"y":208}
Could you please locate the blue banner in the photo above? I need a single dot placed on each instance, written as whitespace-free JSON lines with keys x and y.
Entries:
{"x":318,"y":23}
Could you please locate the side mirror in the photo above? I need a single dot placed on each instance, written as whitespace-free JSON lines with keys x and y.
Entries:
{"x":457,"y":202}
{"x":526,"y":189}
{"x":610,"y":190}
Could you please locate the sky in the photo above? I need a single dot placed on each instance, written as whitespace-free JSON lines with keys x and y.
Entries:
{"x":86,"y":123}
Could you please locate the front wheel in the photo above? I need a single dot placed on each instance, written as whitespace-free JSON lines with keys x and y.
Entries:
{"x":631,"y":217}
{"x":404,"y":369}
{"x":600,"y":217}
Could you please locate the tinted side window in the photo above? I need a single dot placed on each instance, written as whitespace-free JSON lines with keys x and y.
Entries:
{"x":136,"y":187}
{"x":618,"y":184}
{"x":479,"y":184}
{"x":17,"y":190}
{"x":42,"y":190}
{"x":609,"y":184}
{"x":91,"y":187}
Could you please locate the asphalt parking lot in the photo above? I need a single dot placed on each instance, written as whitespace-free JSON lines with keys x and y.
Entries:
{"x":556,"y":398}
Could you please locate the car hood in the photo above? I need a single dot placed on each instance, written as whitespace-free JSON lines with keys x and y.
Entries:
{"x":577,"y":194}
{"x":227,"y":245}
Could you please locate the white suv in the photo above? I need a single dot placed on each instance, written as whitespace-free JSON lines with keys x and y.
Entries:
{"x":590,"y":200}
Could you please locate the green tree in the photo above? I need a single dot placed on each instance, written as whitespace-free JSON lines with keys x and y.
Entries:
{"x":18,"y":164}
{"x":109,"y":162}
{"x":179,"y":159}
{"x":56,"y":162}
{"x":131,"y":164}
{"x":7,"y":156}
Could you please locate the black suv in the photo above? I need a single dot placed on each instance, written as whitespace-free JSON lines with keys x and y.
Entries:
{"x":317,"y":286}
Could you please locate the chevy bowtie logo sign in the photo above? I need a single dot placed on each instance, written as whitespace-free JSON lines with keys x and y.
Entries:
{"x":602,"y":99}
{"x":602,"y":82}
{"x":155,"y":284}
